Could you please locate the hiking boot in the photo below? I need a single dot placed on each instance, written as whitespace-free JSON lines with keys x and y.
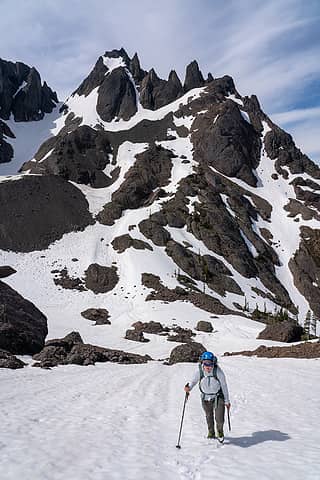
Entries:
{"x":220,"y":436}
{"x":210,"y":434}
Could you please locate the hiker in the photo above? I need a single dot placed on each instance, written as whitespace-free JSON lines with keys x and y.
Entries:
{"x":214,"y":393}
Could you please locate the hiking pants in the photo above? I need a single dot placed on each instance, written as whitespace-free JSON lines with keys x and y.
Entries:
{"x":211,"y":412}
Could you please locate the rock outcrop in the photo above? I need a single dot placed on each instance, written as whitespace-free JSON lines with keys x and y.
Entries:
{"x":38,"y":210}
{"x":23,"y":328}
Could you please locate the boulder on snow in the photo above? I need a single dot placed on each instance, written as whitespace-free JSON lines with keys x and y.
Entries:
{"x":101,"y":279}
{"x":72,"y":350}
{"x":188,"y":352}
{"x":282,"y":332}
{"x":136,"y":335}
{"x":7,"y":360}
{"x":98,"y":315}
{"x":23,"y":328}
{"x":150,"y":327}
{"x":203,"y":326}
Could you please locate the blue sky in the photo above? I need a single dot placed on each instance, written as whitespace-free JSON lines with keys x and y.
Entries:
{"x":270,"y":48}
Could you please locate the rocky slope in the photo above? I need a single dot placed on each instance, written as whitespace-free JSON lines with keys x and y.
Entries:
{"x":23,"y":98}
{"x":188,"y":192}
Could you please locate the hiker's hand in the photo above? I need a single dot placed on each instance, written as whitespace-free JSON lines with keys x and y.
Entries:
{"x":228,"y":405}
{"x":187,"y":389}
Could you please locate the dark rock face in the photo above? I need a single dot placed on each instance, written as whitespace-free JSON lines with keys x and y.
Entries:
{"x":280,"y":145}
{"x":6,"y":271}
{"x":282,"y":332}
{"x":136,"y":335}
{"x":135,"y":69}
{"x":7,"y":360}
{"x":120,"y":244}
{"x":150,"y":327}
{"x":79,"y":156}
{"x":94,"y":79}
{"x":302,"y":350}
{"x":72,"y":350}
{"x":99,"y":315}
{"x":183,"y":335}
{"x":155,"y":92}
{"x":151,"y":170}
{"x":22,"y":94}
{"x":188,"y":352}
{"x":194,"y":78}
{"x":23,"y":327}
{"x":64,"y":280}
{"x":51,"y":206}
{"x":117,"y":96}
{"x":224,"y":140}
{"x":204,"y":326}
{"x":305,"y":267}
{"x":101,"y":279}
{"x":199,"y":299}
{"x":6,"y":150}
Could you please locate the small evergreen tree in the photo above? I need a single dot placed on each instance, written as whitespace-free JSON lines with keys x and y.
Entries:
{"x":313,"y":324}
{"x":306,"y":325}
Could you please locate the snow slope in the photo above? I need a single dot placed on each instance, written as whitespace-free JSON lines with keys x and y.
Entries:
{"x":121,"y":422}
{"x":29,"y":137}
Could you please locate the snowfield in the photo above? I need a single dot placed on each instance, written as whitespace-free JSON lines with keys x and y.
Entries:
{"x":112,"y":421}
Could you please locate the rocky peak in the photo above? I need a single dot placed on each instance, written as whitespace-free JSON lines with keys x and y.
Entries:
{"x":194,"y":78}
{"x":22,"y":94}
{"x":135,"y":69}
{"x":118,"y":54}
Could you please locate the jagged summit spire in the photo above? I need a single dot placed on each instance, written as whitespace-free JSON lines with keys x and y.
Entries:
{"x":194,"y":78}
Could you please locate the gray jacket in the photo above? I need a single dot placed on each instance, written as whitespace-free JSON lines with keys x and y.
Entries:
{"x":209,"y":385}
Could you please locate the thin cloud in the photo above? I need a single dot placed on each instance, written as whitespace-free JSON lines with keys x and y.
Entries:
{"x":270,"y":48}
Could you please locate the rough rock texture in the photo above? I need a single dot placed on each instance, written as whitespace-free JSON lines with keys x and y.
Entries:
{"x":225,"y":141}
{"x":282,"y":332}
{"x":22,"y":94}
{"x":23,"y":327}
{"x":305,"y":267}
{"x":188,"y":352}
{"x":6,"y":150}
{"x":6,"y":271}
{"x":183,"y":335}
{"x":7,"y":360}
{"x":64,"y":280}
{"x":151,"y":170}
{"x":194,"y":78}
{"x":116,"y":96}
{"x":99,"y":315}
{"x":204,"y":326}
{"x":302,"y":350}
{"x":201,"y":300}
{"x":50,"y":206}
{"x":120,"y":244}
{"x":101,"y":279}
{"x":72,"y":350}
{"x":155,"y":92}
{"x":279,"y":145}
{"x":150,"y":327}
{"x":136,"y":335}
{"x":80,"y":156}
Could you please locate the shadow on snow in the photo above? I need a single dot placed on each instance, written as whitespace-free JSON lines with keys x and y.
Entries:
{"x":258,"y":437}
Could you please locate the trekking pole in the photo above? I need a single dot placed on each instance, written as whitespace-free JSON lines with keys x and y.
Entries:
{"x":184,"y":406}
{"x":229,"y":419}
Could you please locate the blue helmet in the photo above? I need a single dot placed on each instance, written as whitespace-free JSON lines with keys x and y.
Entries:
{"x":208,"y":356}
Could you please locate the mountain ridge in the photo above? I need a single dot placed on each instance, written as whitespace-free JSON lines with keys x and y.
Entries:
{"x":223,"y":205}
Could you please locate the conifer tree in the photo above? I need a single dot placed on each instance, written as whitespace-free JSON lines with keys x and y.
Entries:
{"x":306,"y":325}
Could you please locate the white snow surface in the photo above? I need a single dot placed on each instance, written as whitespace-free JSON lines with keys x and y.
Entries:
{"x":113,"y":422}
{"x":29,"y":137}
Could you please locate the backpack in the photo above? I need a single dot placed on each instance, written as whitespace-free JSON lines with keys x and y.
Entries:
{"x":214,"y":375}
